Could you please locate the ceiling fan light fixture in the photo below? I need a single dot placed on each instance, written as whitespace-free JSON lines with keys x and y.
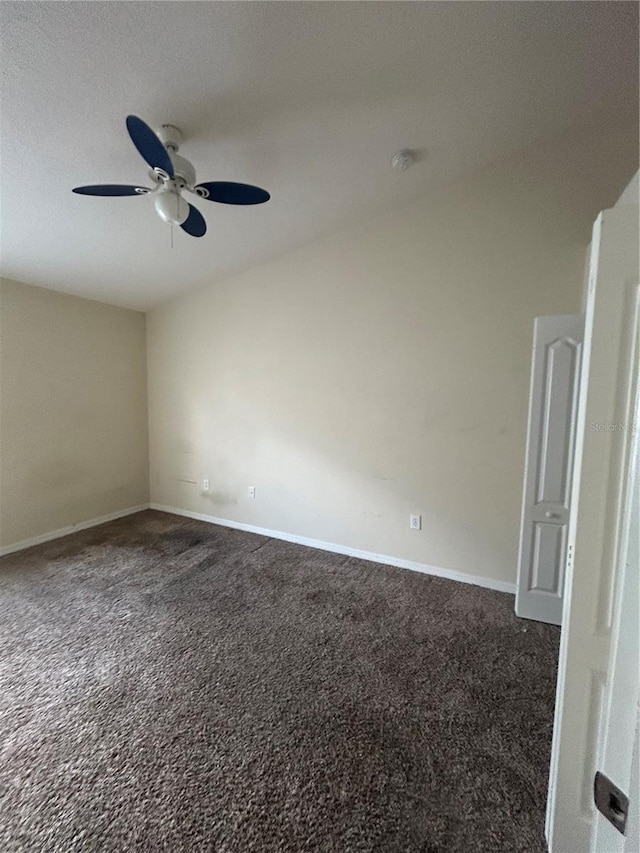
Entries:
{"x":171,"y":207}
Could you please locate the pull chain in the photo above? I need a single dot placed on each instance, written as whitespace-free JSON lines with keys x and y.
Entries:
{"x":172,"y":235}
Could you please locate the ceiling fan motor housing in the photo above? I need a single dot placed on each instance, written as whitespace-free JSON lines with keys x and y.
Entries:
{"x":184,"y":175}
{"x":183,"y":171}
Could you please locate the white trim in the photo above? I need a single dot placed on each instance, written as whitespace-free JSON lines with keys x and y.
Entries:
{"x":450,"y":574}
{"x":74,"y":528}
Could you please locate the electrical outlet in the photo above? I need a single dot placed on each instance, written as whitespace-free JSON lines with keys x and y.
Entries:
{"x":415,"y":522}
{"x":252,"y":492}
{"x":205,"y":486}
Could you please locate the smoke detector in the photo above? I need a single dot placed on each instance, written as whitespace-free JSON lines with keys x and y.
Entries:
{"x":402,"y":160}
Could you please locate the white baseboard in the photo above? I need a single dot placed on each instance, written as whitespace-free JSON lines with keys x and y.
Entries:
{"x":74,"y":528}
{"x":450,"y":574}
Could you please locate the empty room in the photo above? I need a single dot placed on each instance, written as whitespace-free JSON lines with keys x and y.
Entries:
{"x":319,"y":391}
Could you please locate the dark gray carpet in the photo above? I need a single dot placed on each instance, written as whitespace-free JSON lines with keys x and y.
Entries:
{"x":170,"y":685}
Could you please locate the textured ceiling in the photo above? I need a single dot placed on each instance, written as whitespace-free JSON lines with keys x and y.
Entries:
{"x":309,"y":100}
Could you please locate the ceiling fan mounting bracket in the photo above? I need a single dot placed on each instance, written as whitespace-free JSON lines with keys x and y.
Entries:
{"x":171,"y":137}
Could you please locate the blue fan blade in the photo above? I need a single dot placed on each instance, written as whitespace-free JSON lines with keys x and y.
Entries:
{"x":148,"y":145}
{"x":194,"y":224}
{"x":227,"y":192}
{"x":110,"y":189}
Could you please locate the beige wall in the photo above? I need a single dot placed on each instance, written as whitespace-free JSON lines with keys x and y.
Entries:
{"x":384,"y":370}
{"x":73,"y":411}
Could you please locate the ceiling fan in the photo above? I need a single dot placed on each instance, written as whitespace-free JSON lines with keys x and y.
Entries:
{"x":172,"y":174}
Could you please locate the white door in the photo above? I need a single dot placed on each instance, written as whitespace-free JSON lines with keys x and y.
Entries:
{"x":598,"y":527}
{"x":553,"y":402}
{"x":632,"y":841}
{"x":620,"y":713}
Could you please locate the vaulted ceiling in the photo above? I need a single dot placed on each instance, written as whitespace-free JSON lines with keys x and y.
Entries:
{"x":309,"y":100}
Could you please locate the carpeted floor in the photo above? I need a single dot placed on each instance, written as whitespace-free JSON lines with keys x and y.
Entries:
{"x":170,"y":685}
